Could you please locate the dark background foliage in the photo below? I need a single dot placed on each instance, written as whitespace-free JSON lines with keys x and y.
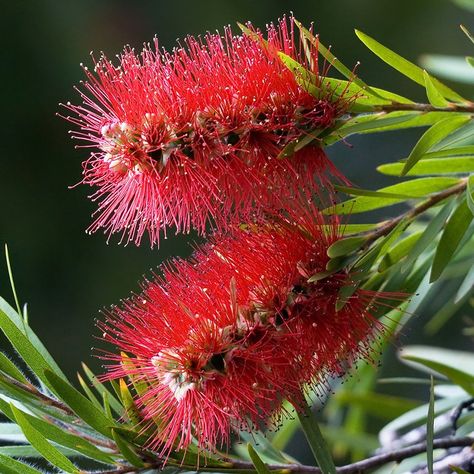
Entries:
{"x":67,"y":276}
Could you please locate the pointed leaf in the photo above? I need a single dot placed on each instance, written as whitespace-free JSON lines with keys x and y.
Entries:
{"x":60,"y":436}
{"x":441,"y":166}
{"x":127,"y":451}
{"x":260,"y":466}
{"x":429,"y":235}
{"x":466,"y":286}
{"x":9,"y":368}
{"x":42,"y":445}
{"x":404,"y":66}
{"x":431,"y":137}
{"x":78,"y":403}
{"x":316,"y":441}
{"x":434,"y":95}
{"x":12,"y":466}
{"x":458,"y":366}
{"x":345,"y":246}
{"x":420,"y":188}
{"x":467,"y":33}
{"x":399,"y":251}
{"x":453,"y":233}
{"x":101,"y":389}
{"x":430,"y":429}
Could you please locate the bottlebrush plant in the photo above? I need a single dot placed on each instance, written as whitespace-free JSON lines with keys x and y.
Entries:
{"x":289,"y":303}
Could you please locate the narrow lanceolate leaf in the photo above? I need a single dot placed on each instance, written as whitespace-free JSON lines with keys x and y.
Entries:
{"x":430,"y":429}
{"x":42,"y":445}
{"x":345,"y":246}
{"x":79,"y":404}
{"x":470,"y":193}
{"x":466,"y":286}
{"x":260,"y":466}
{"x":405,"y":67}
{"x":36,"y":362}
{"x":333,"y":61}
{"x":429,"y":235}
{"x":431,"y":137}
{"x":416,"y":188}
{"x":434,"y":95}
{"x":441,"y":166}
{"x":399,"y":251}
{"x":28,"y":333}
{"x":458,"y":366}
{"x":12,"y":466}
{"x":9,"y":368}
{"x":101,"y":389}
{"x":316,"y":441}
{"x":467,"y":33}
{"x":452,"y":235}
{"x":60,"y":436}
{"x":127,"y":451}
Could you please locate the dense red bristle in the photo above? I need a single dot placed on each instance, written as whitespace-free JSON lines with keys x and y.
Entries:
{"x":191,"y":137}
{"x":223,"y":338}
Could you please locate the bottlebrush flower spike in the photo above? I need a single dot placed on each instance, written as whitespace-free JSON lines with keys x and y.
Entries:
{"x":222,"y":339}
{"x":190,"y":137}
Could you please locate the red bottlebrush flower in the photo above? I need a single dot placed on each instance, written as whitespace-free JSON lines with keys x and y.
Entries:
{"x":191,"y":137}
{"x":220,"y":340}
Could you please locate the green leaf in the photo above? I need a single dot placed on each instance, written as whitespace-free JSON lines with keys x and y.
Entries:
{"x":463,"y":164}
{"x":79,"y":404}
{"x":333,"y":61}
{"x":399,"y":251}
{"x":316,"y":441}
{"x":457,"y":151}
{"x":450,"y":67}
{"x":370,"y":193}
{"x":41,"y":444}
{"x":418,"y":416}
{"x":12,"y":281}
{"x":434,"y":95}
{"x":453,"y":233}
{"x":260,"y":466}
{"x":9,"y":368}
{"x":32,"y":339}
{"x":345,"y":246}
{"x":24,"y":347}
{"x":467,"y":32}
{"x":419,"y":188}
{"x":377,"y":404}
{"x":429,"y":235}
{"x":431,"y":137}
{"x":60,"y":436}
{"x":12,"y":466}
{"x":430,"y":429}
{"x":466,"y":286}
{"x":101,"y":389}
{"x":470,"y":193}
{"x":88,"y":392}
{"x":373,"y":123}
{"x":458,"y":470}
{"x":405,"y":67}
{"x":458,"y":366}
{"x":127,"y":451}
{"x":130,"y":408}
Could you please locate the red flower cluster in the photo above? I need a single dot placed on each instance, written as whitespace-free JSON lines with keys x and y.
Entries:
{"x":221,"y":340}
{"x":191,"y":137}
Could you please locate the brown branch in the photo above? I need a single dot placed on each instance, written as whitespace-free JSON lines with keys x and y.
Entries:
{"x":415,"y":212}
{"x":396,"y":106}
{"x":357,"y":467}
{"x":32,"y":390}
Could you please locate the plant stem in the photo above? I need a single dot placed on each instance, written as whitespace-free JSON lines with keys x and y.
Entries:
{"x":415,"y":212}
{"x":378,"y":460}
{"x":393,"y":107}
{"x":315,"y":438}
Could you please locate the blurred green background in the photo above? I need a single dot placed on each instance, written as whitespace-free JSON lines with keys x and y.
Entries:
{"x":67,"y":276}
